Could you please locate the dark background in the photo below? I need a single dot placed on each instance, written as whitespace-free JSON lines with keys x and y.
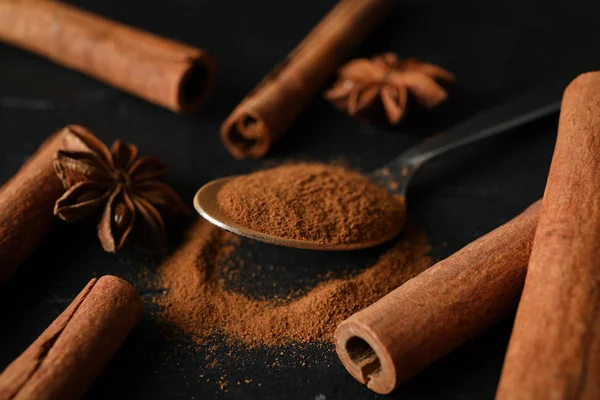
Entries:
{"x":496,"y":49}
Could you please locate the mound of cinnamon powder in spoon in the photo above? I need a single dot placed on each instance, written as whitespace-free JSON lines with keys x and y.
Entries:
{"x":313,"y":202}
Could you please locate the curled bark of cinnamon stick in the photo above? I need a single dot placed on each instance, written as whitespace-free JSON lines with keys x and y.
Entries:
{"x":554,"y":351}
{"x":73,"y":350}
{"x":165,"y":72}
{"x":390,"y":341}
{"x":274,"y":104}
{"x":26,"y":204}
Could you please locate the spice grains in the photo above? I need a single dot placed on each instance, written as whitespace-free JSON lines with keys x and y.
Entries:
{"x":197,"y":302}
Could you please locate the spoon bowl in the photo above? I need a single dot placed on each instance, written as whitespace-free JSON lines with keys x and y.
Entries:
{"x":396,"y":175}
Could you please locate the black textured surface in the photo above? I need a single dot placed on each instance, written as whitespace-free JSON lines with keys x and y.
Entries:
{"x":494,"y":48}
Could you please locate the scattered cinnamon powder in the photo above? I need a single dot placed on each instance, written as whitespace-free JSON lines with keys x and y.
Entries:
{"x":196,"y":301}
{"x":315,"y":202}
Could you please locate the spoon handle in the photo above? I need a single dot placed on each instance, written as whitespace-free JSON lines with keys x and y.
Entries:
{"x":532,"y":105}
{"x":528,"y":107}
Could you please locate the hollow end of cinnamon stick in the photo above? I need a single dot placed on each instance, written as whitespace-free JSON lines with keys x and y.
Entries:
{"x":196,"y":84}
{"x":246,"y":135}
{"x":364,"y":356}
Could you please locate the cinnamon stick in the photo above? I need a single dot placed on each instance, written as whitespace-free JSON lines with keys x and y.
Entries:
{"x":390,"y":341}
{"x":162,"y":71}
{"x":64,"y":360}
{"x":26,"y":204}
{"x":268,"y":110}
{"x":554,"y":351}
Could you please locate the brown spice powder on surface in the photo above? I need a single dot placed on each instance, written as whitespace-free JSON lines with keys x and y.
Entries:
{"x":196,"y":302}
{"x":315,"y":202}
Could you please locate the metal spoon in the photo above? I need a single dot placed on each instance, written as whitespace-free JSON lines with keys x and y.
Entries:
{"x":396,"y":175}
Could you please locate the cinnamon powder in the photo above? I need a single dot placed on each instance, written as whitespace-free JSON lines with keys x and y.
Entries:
{"x":198,"y":304}
{"x":314,"y":202}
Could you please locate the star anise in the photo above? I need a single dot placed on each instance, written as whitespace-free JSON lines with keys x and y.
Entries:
{"x":384,"y":80}
{"x":126,"y":189}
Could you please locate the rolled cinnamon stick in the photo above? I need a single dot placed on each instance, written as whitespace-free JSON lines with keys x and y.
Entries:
{"x":554,"y":350}
{"x":274,"y":104}
{"x":390,"y":341}
{"x":165,"y":72}
{"x":73,"y":350}
{"x":26,"y":204}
